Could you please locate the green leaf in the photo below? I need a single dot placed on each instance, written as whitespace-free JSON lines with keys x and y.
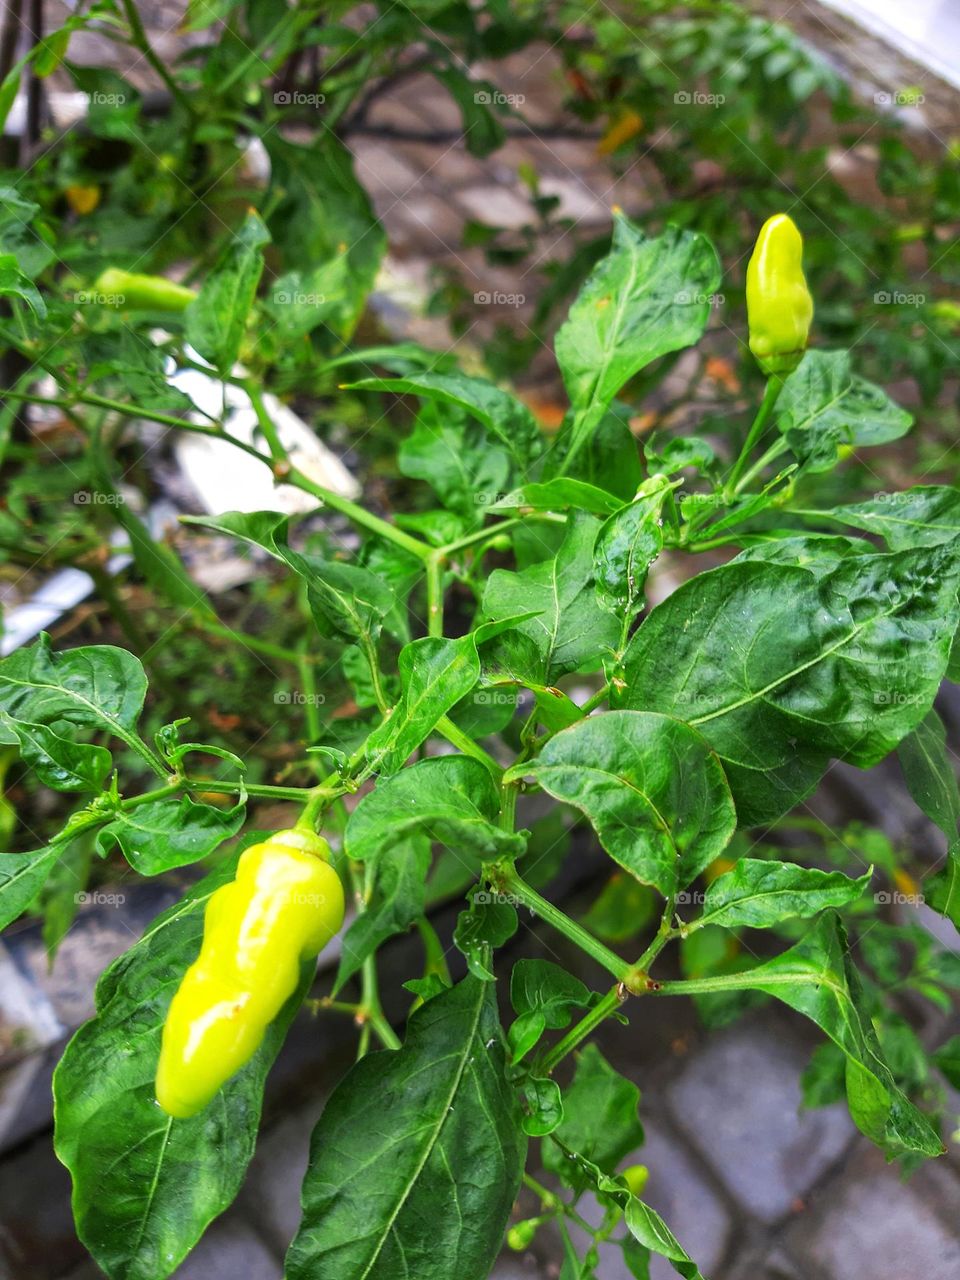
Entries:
{"x":14,"y":284}
{"x":22,"y":876}
{"x":561,"y":494}
{"x":504,"y":416}
{"x":22,"y":233}
{"x":59,"y":762}
{"x":162,"y":834}
{"x":543,"y":996}
{"x":482,"y":131}
{"x":626,"y":547}
{"x":647,"y":1227}
{"x":371,"y":1191}
{"x":485,"y":925}
{"x":346,"y":601}
{"x":757,"y":893}
{"x":770,"y":662}
{"x":146,"y":1186}
{"x":570,"y":629}
{"x":928,"y":773}
{"x":623,"y":907}
{"x":924,"y":516}
{"x":463,"y":467}
{"x":397,"y":902}
{"x":63,"y":892}
{"x":599,"y":1120}
{"x":824,"y":405}
{"x":817,"y":977}
{"x":217,"y":318}
{"x":931,"y":781}
{"x":542,"y":1106}
{"x":450,"y":800}
{"x":97,"y":686}
{"x":647,"y":297}
{"x":320,"y":213}
{"x":653,"y":790}
{"x":434,"y":674}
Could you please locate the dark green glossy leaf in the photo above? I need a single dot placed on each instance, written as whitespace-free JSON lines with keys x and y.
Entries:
{"x":97,"y":686}
{"x":768,"y":661}
{"x":758,"y":894}
{"x":652,"y":788}
{"x":599,"y":1120}
{"x":626,"y":547}
{"x":921,"y":517}
{"x":561,"y":494}
{"x":824,"y":405}
{"x":543,"y":996}
{"x":371,"y":1191}
{"x":465,"y":469}
{"x":396,"y":904}
{"x":60,"y":762}
{"x":450,"y":800}
{"x":486,"y":924}
{"x":648,"y":296}
{"x":162,"y":834}
{"x":505,"y":417}
{"x":817,"y":977}
{"x":542,"y":1106}
{"x":346,"y":601}
{"x":571,"y":630}
{"x":22,"y":876}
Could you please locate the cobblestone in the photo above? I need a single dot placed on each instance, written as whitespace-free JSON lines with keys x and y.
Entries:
{"x":230,"y":1251}
{"x":738,"y":1102}
{"x":873,"y":1224}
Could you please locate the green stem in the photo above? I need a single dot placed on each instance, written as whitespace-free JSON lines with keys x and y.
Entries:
{"x":636,"y":983}
{"x":595,"y":699}
{"x":360,"y":516}
{"x":493,"y":530}
{"x":508,"y":879}
{"x":142,"y":41}
{"x":371,"y":1010}
{"x":463,"y":742}
{"x":434,"y":595}
{"x":370,"y":653}
{"x":778,"y":447}
{"x":599,"y":1013}
{"x":308,"y":679}
{"x":270,"y":433}
{"x":757,"y":428}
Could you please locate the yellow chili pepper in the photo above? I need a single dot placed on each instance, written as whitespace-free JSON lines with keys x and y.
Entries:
{"x":83,"y":199}
{"x":779,"y":305}
{"x":282,"y":908}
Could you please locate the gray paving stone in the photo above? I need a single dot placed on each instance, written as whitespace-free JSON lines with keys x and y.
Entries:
{"x":682,"y":1194}
{"x":738,"y":1101}
{"x":271,"y":1190}
{"x":37,"y":1238}
{"x":230,"y":1251}
{"x":873,"y":1224}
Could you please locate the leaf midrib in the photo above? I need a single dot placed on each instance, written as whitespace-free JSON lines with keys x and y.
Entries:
{"x":435,"y":1136}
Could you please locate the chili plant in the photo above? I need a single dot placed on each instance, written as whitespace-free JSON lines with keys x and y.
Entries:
{"x":470,"y":624}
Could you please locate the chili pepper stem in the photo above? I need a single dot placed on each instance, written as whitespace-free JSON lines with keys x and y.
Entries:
{"x":757,"y":428}
{"x":506,"y":878}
